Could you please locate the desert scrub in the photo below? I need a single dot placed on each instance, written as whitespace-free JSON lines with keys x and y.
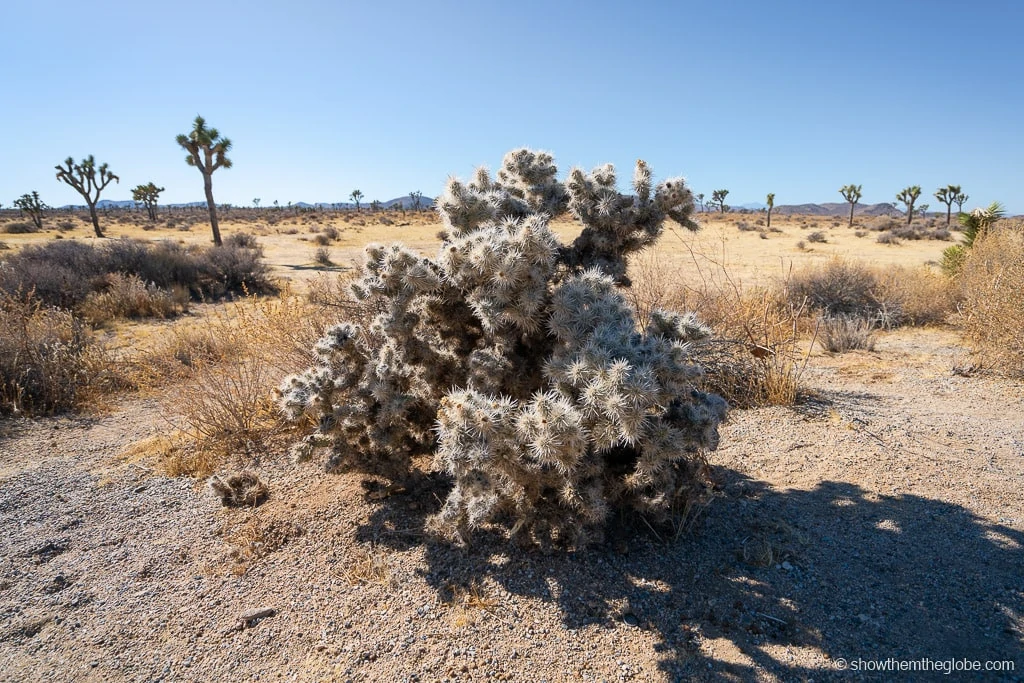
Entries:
{"x":517,"y":361}
{"x":48,"y":360}
{"x":66,"y":273}
{"x":991,"y":278}
{"x":844,"y":288}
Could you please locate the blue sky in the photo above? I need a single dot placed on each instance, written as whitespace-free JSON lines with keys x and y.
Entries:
{"x":320,"y":98}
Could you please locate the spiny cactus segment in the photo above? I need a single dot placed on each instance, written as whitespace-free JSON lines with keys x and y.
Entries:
{"x":517,"y":361}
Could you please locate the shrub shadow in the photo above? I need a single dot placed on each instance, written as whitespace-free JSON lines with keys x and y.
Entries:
{"x":837,"y":571}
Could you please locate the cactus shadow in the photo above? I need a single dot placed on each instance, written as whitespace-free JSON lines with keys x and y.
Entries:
{"x":832,"y":572}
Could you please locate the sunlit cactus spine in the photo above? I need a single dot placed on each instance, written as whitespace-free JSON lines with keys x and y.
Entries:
{"x":517,"y":362}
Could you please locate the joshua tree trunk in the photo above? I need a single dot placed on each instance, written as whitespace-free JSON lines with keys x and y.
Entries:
{"x":949,"y":212}
{"x":852,"y":205}
{"x":95,"y":220}
{"x":769,"y":217}
{"x":208,"y":187}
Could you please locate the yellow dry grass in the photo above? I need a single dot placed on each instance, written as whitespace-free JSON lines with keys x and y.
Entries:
{"x":289,"y":240}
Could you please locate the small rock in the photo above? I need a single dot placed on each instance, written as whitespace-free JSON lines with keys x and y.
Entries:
{"x":255,"y":614}
{"x":787,"y":566}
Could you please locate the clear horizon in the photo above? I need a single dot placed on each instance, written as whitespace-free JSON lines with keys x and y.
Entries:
{"x":319,"y":99}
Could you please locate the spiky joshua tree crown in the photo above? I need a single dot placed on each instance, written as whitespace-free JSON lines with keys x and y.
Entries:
{"x":517,"y":361}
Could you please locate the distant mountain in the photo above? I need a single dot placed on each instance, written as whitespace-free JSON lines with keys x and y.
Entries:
{"x":837,"y":209}
{"x":406,"y":202}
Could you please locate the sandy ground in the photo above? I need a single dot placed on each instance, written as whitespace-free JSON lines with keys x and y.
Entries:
{"x":880,"y":518}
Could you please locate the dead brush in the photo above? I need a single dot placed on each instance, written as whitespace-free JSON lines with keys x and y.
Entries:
{"x":841,"y":333}
{"x":754,"y":357}
{"x":992,"y":285}
{"x":49,"y":361}
{"x":467,"y":602}
{"x":368,"y":567}
{"x":222,"y":373}
{"x":127,"y":296}
{"x":243,"y":489}
{"x":257,"y":538}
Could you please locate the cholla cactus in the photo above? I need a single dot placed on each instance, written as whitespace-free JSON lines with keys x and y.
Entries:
{"x":516,"y":360}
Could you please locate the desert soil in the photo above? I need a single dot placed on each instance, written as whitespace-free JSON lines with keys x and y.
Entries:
{"x":882,"y":517}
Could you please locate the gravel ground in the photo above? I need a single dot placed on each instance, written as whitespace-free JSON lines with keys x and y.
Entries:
{"x":882,"y":518}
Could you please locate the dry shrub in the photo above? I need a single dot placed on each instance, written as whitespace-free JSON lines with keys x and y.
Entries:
{"x":754,"y":356}
{"x":842,"y":288}
{"x":841,"y":333}
{"x":223,"y":371}
{"x":817,"y":237}
{"x":322,"y":256}
{"x":127,"y":296}
{"x":48,"y":360}
{"x":922,"y":295}
{"x":992,"y":281}
{"x":65,"y":273}
{"x":20,"y":228}
{"x":887,"y":297}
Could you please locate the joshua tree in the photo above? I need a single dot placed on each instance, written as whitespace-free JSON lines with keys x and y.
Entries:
{"x":700,"y":200}
{"x":207,"y":151}
{"x":718,"y":199}
{"x":416,"y":196}
{"x":32,"y":205}
{"x":947,"y":195}
{"x":960,"y":200}
{"x":149,"y":195}
{"x":771,"y":205}
{"x":82,"y":177}
{"x":356,"y":196}
{"x":975,"y":224}
{"x":909,"y":195}
{"x":256,"y":203}
{"x":375,"y":205}
{"x":851,"y":193}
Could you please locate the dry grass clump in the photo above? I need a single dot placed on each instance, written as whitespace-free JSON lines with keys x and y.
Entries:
{"x":257,"y":538}
{"x":368,"y":567}
{"x":884,"y":298}
{"x":923,"y":295}
{"x":243,"y":489}
{"x":841,"y":333}
{"x":223,"y":371}
{"x":992,"y":282}
{"x":19,"y":228}
{"x":49,"y":362}
{"x":128,"y":296}
{"x":754,"y":356}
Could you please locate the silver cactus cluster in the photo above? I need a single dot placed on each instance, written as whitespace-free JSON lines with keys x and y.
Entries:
{"x":517,"y":361}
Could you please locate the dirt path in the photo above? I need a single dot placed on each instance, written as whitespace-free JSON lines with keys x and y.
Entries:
{"x":882,"y":518}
